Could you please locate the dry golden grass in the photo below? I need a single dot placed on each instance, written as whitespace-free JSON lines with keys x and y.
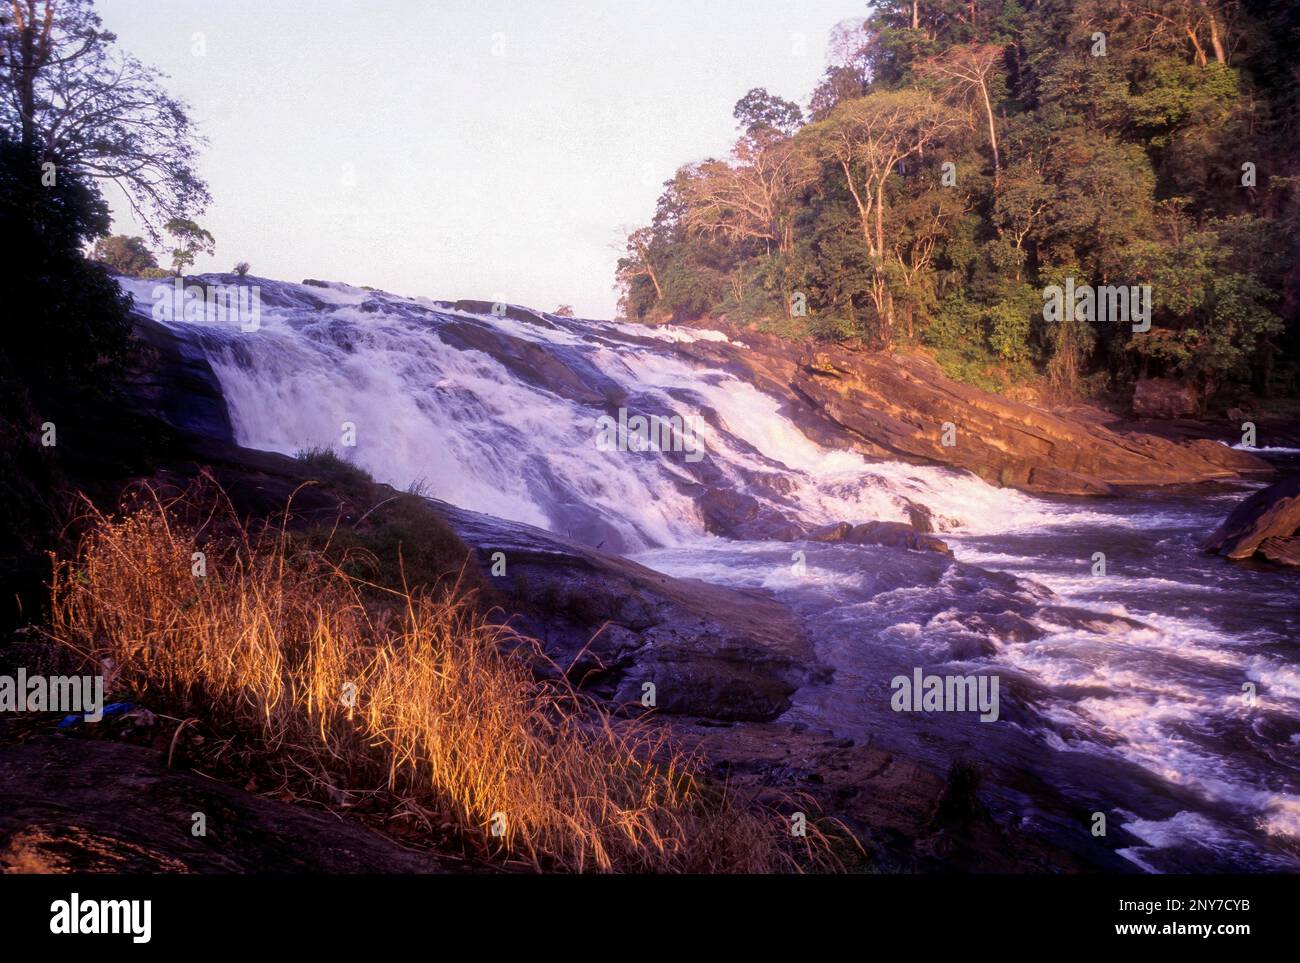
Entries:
{"x":448,"y":712}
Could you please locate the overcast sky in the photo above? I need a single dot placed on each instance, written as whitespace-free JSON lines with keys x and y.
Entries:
{"x":460,"y":148}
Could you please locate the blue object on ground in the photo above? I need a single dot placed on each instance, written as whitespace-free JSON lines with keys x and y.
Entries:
{"x":114,"y":709}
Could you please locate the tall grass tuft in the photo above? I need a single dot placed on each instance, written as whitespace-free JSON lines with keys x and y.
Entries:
{"x":423,"y":698}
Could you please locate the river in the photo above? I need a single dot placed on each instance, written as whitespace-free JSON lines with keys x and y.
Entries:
{"x":1163,"y":694}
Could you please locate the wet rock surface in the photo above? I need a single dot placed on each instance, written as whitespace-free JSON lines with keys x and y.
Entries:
{"x":908,"y":817}
{"x":708,"y":650}
{"x":174,"y":382}
{"x":1265,"y":522}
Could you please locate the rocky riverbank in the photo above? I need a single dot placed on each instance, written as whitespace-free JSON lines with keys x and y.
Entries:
{"x":899,"y":405}
{"x":725,"y":663}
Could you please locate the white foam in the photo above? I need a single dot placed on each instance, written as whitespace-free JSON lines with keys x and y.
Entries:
{"x":480,"y":437}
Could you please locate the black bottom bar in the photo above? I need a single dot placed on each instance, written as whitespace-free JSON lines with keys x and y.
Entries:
{"x":331,"y":914}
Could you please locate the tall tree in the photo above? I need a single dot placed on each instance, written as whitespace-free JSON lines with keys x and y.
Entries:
{"x":867,"y":140}
{"x":191,"y":241}
{"x":68,"y":93}
{"x":759,"y":112}
{"x":968,"y":69}
{"x":752,"y":196}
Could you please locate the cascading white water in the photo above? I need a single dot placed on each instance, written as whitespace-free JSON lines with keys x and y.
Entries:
{"x":456,"y":419}
{"x":500,"y":415}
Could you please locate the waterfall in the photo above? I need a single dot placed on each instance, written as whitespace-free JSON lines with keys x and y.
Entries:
{"x":501,"y":413}
{"x":533,"y":417}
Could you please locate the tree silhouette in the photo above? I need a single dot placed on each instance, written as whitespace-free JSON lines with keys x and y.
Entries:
{"x":71,"y":97}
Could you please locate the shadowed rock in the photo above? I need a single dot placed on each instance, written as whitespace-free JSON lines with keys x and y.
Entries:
{"x":890,"y":534}
{"x":710,"y":651}
{"x":70,"y":805}
{"x":172,"y":380}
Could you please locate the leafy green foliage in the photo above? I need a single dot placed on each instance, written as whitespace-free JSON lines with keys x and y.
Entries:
{"x":191,"y":240}
{"x":125,"y":255}
{"x":966,"y":154}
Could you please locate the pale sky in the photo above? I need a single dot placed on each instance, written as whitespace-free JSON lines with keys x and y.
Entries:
{"x":484,"y":149}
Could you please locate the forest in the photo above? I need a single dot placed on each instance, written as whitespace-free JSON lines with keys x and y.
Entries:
{"x":960,"y":159}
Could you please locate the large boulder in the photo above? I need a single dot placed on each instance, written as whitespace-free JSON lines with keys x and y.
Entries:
{"x":888,"y":534}
{"x":735,"y":514}
{"x":896,"y":535}
{"x":1271,"y":515}
{"x":1163,"y":398}
{"x":173,"y":381}
{"x":710,"y":651}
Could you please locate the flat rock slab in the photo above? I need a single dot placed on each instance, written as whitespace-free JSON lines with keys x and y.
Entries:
{"x":894,"y":807}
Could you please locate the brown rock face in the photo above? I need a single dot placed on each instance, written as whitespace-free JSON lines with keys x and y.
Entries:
{"x":1163,"y":398}
{"x":1267,"y":522}
{"x":902,"y":406}
{"x":1281,"y":551}
{"x":906,"y":406}
{"x":915,"y":537}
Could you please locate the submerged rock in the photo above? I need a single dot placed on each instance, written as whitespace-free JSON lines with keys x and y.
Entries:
{"x":896,"y":535}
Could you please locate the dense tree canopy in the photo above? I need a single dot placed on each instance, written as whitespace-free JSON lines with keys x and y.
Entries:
{"x":960,"y":157}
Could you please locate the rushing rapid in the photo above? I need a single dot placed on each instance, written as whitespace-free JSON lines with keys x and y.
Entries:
{"x":1164,"y":693}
